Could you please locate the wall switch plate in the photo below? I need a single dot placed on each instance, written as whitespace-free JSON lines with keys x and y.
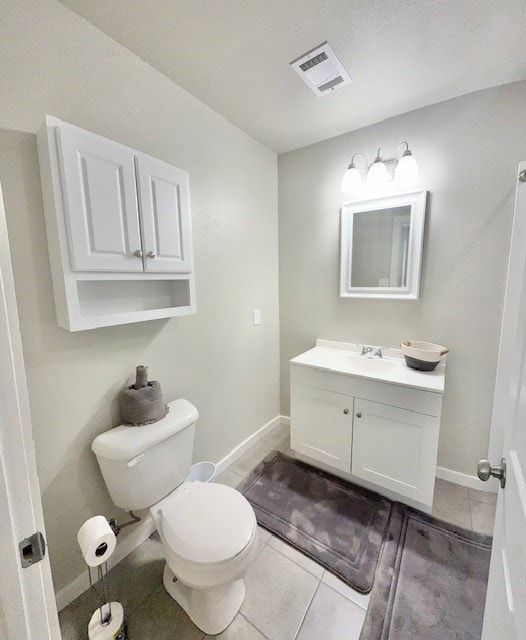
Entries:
{"x":257,"y":316}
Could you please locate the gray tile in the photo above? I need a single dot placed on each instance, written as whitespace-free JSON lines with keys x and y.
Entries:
{"x":160,"y":617}
{"x":277,"y":440}
{"x":239,"y":629}
{"x":264,"y":535}
{"x":482,"y":496}
{"x":133,"y":579}
{"x":278,"y":595}
{"x":361,"y":599}
{"x":331,"y":616}
{"x":452,"y":509}
{"x":483,"y":517}
{"x":296,"y":556}
{"x":450,"y":488}
{"x":74,"y":619}
{"x":250,"y":459}
{"x":229,"y":478}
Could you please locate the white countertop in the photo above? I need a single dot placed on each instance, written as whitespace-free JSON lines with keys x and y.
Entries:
{"x":345,"y":358}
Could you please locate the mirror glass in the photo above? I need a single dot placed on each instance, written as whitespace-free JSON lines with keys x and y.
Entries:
{"x":381,"y":246}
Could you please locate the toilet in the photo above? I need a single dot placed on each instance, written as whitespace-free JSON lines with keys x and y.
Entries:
{"x":208,"y":531}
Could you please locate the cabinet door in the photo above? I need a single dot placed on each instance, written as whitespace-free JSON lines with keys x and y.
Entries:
{"x":165,"y":216}
{"x":100,"y":199}
{"x":321,"y":425}
{"x":395,"y":448}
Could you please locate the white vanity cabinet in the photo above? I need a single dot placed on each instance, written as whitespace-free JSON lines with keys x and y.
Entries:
{"x":395,"y":449}
{"x":322,"y":425}
{"x":119,"y":230}
{"x":375,"y":423}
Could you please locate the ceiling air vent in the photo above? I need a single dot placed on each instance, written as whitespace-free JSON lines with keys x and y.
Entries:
{"x":321,"y":70}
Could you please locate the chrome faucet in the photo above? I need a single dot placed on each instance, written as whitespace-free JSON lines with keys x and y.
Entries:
{"x":372,"y":352}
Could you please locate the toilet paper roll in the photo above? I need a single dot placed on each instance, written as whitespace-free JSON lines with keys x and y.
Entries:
{"x":112,"y":630}
{"x":96,"y":541}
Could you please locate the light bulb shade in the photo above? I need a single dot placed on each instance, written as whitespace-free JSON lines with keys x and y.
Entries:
{"x":406,"y":172}
{"x":377,"y":174}
{"x":352,"y":180}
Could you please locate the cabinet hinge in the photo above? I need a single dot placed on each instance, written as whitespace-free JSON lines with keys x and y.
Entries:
{"x":32,"y":550}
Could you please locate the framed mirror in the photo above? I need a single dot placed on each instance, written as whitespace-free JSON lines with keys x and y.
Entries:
{"x":381,"y":246}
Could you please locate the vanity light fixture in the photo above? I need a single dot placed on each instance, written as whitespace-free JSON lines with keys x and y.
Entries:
{"x":406,"y":171}
{"x":377,"y":173}
{"x":352,"y":179}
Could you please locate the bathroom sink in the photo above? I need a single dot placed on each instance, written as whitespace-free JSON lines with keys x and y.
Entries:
{"x":345,"y":358}
{"x":371,"y":365}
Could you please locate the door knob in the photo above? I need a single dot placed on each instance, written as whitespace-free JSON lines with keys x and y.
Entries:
{"x":151,"y":254}
{"x":359,"y":414}
{"x":138,"y":253}
{"x":346,"y":411}
{"x":485,"y":470}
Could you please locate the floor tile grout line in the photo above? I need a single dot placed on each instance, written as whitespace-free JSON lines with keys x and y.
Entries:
{"x":253,"y":625}
{"x":294,"y":561}
{"x":307,"y":610}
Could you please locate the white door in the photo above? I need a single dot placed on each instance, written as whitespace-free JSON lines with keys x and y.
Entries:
{"x":26,"y":595}
{"x":164,"y":197}
{"x":100,"y":198}
{"x":505,"y":615}
{"x":321,"y":425}
{"x":395,"y":449}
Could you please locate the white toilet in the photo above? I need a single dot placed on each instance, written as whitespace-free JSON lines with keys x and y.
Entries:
{"x":208,"y":531}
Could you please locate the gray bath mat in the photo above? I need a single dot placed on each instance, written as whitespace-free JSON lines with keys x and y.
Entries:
{"x":431,"y":581}
{"x":338,"y":524}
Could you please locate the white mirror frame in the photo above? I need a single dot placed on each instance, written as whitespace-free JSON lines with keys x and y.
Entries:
{"x":417,"y":201}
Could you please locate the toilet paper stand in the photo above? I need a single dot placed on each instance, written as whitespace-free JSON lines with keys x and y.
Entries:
{"x":102,"y":577}
{"x":97,"y":539}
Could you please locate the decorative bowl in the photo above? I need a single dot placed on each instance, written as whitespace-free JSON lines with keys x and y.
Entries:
{"x":423,"y":356}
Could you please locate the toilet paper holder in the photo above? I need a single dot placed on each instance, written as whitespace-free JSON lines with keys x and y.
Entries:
{"x":116,"y":527}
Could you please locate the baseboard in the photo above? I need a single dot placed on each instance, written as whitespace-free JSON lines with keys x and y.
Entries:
{"x":124,"y":547}
{"x":225,"y":462}
{"x":465,"y":480}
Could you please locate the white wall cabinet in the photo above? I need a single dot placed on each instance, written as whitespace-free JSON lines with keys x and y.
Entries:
{"x":100,"y":202}
{"x":383,"y":436}
{"x":164,"y":206}
{"x":119,"y":230}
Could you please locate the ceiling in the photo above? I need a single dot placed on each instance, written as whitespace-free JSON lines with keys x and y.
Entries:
{"x":401,"y":54}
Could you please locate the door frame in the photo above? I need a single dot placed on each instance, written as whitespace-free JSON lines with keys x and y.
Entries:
{"x":27,"y":595}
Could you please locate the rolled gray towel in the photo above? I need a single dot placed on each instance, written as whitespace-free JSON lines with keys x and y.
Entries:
{"x":142,"y":403}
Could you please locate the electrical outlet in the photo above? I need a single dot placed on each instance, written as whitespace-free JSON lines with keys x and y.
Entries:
{"x":257,"y":317}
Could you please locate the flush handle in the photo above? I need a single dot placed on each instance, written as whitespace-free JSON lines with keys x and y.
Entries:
{"x":134,"y":461}
{"x":485,"y":471}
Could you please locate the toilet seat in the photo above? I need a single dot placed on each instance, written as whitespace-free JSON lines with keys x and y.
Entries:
{"x":207,"y":523}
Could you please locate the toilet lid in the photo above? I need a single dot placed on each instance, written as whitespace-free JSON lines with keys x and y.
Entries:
{"x":207,"y":523}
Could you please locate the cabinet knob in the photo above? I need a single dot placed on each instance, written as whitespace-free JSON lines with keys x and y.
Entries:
{"x":346,"y":411}
{"x":151,"y":254}
{"x":359,"y":414}
{"x":138,"y":253}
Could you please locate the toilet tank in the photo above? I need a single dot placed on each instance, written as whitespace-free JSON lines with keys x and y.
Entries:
{"x":141,"y":465}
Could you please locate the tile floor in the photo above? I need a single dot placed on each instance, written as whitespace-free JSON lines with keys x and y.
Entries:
{"x":288,"y":597}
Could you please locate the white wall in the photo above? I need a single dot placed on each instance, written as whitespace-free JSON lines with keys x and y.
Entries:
{"x":467,"y":151}
{"x":54,"y":62}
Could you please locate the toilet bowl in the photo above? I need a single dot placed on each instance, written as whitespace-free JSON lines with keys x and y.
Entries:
{"x":209,"y":534}
{"x":208,"y":531}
